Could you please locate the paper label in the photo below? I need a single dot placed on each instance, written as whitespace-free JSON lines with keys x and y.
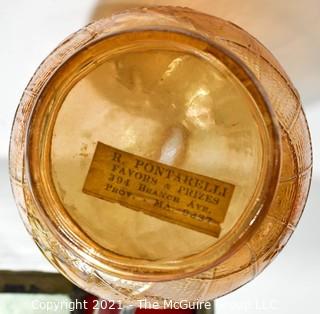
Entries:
{"x":181,"y":197}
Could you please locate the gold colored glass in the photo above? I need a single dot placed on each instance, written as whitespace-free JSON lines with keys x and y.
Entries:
{"x":215,"y":156}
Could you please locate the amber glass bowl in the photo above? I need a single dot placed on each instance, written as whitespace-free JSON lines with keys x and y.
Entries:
{"x":60,"y":105}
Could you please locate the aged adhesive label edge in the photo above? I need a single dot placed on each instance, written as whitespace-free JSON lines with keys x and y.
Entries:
{"x":168,"y":193}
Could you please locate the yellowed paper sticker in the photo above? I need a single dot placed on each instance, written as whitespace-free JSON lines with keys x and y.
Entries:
{"x":181,"y":197}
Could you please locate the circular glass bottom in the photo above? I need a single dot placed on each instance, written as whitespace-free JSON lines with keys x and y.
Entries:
{"x":180,"y":108}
